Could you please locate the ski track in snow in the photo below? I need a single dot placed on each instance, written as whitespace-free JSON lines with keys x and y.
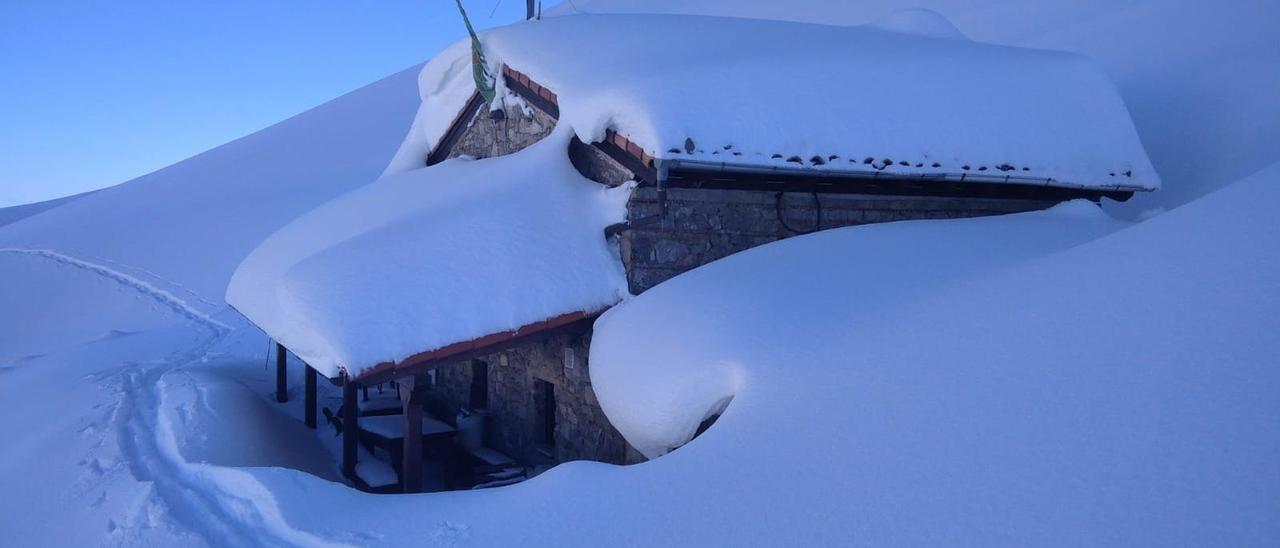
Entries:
{"x":163,"y":297}
{"x":159,"y":278}
{"x":210,"y":501}
{"x":213,"y":502}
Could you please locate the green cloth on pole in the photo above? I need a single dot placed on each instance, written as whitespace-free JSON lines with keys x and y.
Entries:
{"x":479,"y":68}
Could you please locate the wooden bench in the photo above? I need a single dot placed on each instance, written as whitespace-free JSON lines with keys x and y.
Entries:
{"x":487,"y":467}
{"x":387,"y":432}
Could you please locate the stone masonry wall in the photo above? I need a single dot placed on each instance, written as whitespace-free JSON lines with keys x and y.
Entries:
{"x":704,"y":225}
{"x":486,"y":137}
{"x":513,"y":424}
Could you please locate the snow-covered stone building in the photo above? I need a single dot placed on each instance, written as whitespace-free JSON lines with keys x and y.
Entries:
{"x":620,"y":151}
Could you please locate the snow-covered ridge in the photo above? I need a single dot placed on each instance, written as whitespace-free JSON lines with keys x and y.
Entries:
{"x":187,"y":226}
{"x":159,"y":295}
{"x":777,"y":95}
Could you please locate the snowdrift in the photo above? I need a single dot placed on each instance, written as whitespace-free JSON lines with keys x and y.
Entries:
{"x":975,"y":387}
{"x":1199,"y":79}
{"x":770,"y":95}
{"x":436,"y":256}
{"x":1040,"y":379}
{"x":1120,"y":391}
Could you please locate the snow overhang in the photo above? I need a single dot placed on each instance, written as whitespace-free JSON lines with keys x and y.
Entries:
{"x":841,"y":101}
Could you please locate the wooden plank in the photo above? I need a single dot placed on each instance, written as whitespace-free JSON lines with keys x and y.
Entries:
{"x":411,"y":460}
{"x":310,"y":396}
{"x":529,"y":92}
{"x":644,"y":173}
{"x":455,"y":131}
{"x":282,"y":381}
{"x":350,"y":427}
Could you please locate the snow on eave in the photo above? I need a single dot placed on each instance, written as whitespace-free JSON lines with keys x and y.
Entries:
{"x":983,"y":125}
{"x":547,"y":101}
{"x":488,"y":344}
{"x":935,"y":176}
{"x":422,"y":265}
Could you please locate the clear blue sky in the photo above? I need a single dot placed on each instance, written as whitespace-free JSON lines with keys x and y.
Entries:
{"x":97,"y":92}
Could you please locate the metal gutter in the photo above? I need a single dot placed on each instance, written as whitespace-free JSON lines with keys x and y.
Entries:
{"x":670,"y":164}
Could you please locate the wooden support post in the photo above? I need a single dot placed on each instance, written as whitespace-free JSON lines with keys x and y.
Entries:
{"x":350,"y":427}
{"x":411,"y":461}
{"x":282,"y":382}
{"x":310,"y":397}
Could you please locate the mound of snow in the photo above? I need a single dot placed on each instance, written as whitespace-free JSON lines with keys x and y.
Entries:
{"x":979,"y":387}
{"x":436,"y":256}
{"x":920,"y":22}
{"x":657,"y":393}
{"x":1200,"y":78}
{"x":777,"y":95}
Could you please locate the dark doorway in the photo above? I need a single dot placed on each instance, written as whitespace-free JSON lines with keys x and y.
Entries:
{"x":544,"y":397}
{"x":479,"y":385}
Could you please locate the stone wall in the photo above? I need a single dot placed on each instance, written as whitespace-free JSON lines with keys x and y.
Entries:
{"x":513,"y":423}
{"x":704,"y":225}
{"x":486,"y":137}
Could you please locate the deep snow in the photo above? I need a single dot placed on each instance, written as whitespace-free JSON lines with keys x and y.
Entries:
{"x":443,"y":254}
{"x":1199,"y":78}
{"x":17,"y":213}
{"x":776,"y":95}
{"x":101,"y":295}
{"x":1025,"y":394}
{"x":1162,"y":330}
{"x":991,"y":387}
{"x":187,"y":226}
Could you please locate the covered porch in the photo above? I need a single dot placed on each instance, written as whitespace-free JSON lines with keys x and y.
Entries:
{"x":383,"y":413}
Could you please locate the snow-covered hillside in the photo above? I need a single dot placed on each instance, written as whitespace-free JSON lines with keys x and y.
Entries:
{"x":13,"y":214}
{"x":1060,"y":377}
{"x":182,"y":230}
{"x":192,"y":222}
{"x":97,"y":290}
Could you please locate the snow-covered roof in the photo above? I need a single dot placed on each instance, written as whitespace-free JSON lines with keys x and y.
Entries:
{"x":416,"y":262}
{"x":909,"y":96}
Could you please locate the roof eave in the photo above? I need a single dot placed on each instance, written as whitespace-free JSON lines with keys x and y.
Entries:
{"x":669,"y":164}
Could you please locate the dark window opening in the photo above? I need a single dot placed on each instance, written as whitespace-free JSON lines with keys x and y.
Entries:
{"x":544,"y":397}
{"x":479,"y":384}
{"x":704,"y":425}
